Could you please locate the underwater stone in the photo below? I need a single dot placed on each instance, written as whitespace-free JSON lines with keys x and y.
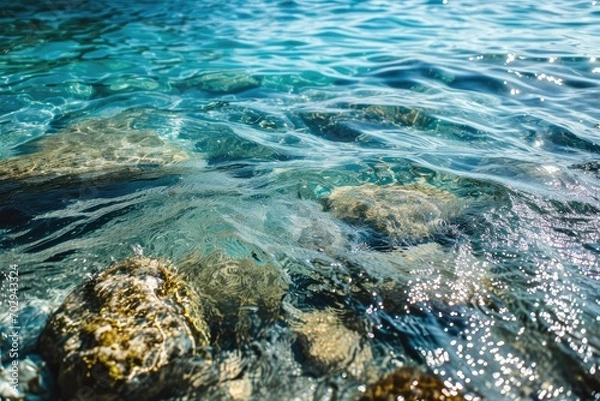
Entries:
{"x":239,"y":389}
{"x":221,"y":82}
{"x":410,"y":384}
{"x":409,"y":213}
{"x":397,"y":115}
{"x":121,"y":332}
{"x":328,"y":344}
{"x":341,"y":126}
{"x":92,"y":148}
{"x":331,"y":126}
{"x":239,"y":288}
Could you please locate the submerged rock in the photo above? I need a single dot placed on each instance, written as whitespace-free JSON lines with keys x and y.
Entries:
{"x":221,"y":82}
{"x":328,"y":345}
{"x":92,"y":149}
{"x":397,"y":115}
{"x":351,"y":121}
{"x":405,"y":214}
{"x":331,"y":126}
{"x":410,"y":384}
{"x":123,"y":334}
{"x":240,"y":288}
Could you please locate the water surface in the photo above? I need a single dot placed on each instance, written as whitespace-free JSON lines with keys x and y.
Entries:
{"x":277,"y":104}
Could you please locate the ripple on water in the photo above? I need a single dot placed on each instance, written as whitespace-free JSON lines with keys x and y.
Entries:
{"x":490,"y":291}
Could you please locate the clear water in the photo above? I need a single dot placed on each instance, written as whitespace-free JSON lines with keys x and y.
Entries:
{"x":495,"y":102}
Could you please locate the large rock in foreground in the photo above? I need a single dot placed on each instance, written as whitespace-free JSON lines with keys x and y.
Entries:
{"x":119,"y":336}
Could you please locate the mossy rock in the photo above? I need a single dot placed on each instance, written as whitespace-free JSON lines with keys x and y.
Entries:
{"x":406,"y":214}
{"x":411,"y":384}
{"x":120,"y":332}
{"x":92,"y":149}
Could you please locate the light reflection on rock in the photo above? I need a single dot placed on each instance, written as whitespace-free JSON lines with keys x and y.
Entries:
{"x":98,"y":149}
{"x":329,"y":345}
{"x":406,"y":214}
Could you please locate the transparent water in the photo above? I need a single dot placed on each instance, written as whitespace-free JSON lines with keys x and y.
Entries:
{"x":277,"y":104}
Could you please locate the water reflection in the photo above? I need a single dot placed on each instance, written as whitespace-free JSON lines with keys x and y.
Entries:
{"x":380,"y":202}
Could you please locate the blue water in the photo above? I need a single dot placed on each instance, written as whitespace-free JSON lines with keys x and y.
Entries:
{"x":281,"y":102}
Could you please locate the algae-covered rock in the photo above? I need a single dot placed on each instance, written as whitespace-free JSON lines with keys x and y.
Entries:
{"x":92,"y":148}
{"x":238,"y":287}
{"x":328,"y":345}
{"x":123,"y":330}
{"x":410,"y":384}
{"x":406,"y":214}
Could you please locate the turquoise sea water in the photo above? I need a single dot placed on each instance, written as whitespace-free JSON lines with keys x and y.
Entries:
{"x":277,"y":104}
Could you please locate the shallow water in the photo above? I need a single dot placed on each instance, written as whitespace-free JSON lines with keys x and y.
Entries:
{"x":278,"y":103}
